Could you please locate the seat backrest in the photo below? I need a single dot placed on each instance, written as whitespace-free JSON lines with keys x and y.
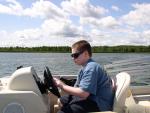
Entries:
{"x":122,"y":86}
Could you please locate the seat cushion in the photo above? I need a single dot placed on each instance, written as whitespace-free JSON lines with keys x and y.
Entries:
{"x":144,"y":103}
{"x":136,"y":108}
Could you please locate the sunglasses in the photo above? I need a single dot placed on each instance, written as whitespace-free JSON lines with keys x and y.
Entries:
{"x":77,"y":54}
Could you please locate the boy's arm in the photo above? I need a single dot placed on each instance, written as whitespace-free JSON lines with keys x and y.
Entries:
{"x":76,"y":91}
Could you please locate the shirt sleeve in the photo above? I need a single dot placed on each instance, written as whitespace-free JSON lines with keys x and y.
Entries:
{"x":89,"y":82}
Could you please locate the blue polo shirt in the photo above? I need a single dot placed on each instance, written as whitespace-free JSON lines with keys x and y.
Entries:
{"x":94,"y":79}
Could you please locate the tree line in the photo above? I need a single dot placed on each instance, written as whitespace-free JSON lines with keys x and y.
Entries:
{"x":66,"y":49}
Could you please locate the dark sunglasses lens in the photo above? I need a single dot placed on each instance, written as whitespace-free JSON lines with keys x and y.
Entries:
{"x":75,"y":55}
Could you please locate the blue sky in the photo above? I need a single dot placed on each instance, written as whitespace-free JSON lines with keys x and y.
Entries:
{"x":31,"y":23}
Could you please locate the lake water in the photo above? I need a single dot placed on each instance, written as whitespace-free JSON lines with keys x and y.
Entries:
{"x":62,"y":64}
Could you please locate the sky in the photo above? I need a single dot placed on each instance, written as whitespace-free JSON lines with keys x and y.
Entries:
{"x":32,"y":23}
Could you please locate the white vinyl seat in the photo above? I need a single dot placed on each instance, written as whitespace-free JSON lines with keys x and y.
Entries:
{"x":122,"y":86}
{"x":124,"y":101}
{"x":133,"y":107}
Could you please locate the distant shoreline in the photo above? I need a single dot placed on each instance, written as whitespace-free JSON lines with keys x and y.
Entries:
{"x":66,"y":49}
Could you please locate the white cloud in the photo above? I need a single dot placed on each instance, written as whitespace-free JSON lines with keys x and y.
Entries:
{"x":115,"y":8}
{"x":119,"y":37}
{"x":147,"y":34}
{"x":62,"y":28}
{"x":83,"y":8}
{"x":106,"y":22}
{"x":43,"y":9}
{"x":51,"y":33}
{"x":58,"y":29}
{"x":8,"y":39}
{"x":139,"y":16}
{"x":13,"y":8}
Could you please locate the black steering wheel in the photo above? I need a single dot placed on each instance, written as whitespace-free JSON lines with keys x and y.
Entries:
{"x":49,"y":83}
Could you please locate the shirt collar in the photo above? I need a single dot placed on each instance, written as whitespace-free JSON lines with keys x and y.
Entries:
{"x":89,"y":60}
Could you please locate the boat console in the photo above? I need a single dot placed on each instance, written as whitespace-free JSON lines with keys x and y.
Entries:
{"x":23,"y":92}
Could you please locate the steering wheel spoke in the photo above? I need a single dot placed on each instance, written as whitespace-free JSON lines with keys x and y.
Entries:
{"x":49,"y":83}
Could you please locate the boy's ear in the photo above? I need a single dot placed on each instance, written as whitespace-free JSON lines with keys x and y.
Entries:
{"x":86,"y":53}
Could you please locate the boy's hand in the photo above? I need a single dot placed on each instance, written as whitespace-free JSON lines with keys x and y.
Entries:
{"x":58,"y":82}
